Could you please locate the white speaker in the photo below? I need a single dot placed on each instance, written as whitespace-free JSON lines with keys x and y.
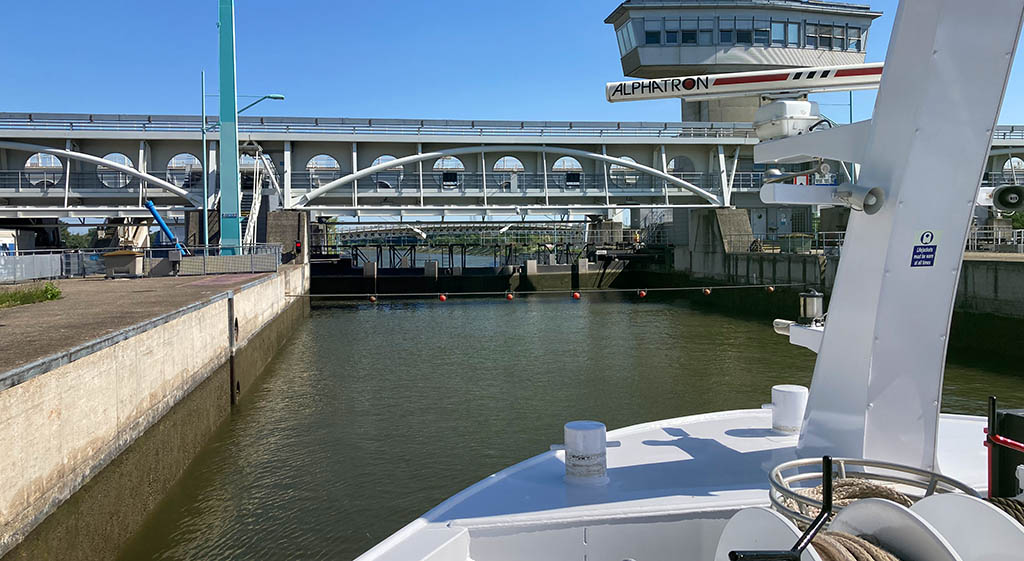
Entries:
{"x":867,"y":199}
{"x":1008,"y":198}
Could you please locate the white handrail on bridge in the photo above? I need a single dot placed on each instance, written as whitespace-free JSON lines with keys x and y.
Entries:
{"x":305,"y":199}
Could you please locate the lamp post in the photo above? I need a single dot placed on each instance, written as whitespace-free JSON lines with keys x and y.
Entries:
{"x":205,"y":154}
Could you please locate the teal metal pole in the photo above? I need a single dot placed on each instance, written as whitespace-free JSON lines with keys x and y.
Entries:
{"x":206,"y":171}
{"x":230,"y":181}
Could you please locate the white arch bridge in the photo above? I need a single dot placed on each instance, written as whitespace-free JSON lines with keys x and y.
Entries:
{"x":359,"y":167}
{"x":379,"y":167}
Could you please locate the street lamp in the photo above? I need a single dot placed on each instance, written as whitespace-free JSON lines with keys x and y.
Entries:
{"x":277,"y":97}
{"x":205,"y":129}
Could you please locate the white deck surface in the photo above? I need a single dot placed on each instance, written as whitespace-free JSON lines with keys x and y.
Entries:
{"x":702,"y":463}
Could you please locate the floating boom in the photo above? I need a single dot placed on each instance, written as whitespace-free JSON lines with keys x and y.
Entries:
{"x":735,"y":84}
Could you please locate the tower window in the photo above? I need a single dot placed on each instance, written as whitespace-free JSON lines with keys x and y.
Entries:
{"x":744,"y":31}
{"x":778,"y":33}
{"x":762,"y":29}
{"x":671,"y":37}
{"x":853,"y":39}
{"x":707,"y":31}
{"x":652,"y":37}
{"x":812,"y":35}
{"x":825,"y":36}
{"x":793,"y":35}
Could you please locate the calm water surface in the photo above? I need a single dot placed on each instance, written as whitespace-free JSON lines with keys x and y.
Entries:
{"x":371,"y":415}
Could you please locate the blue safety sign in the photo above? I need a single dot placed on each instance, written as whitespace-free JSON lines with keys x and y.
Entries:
{"x":924,"y":254}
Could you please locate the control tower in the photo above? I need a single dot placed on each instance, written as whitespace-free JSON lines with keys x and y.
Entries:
{"x":662,"y":38}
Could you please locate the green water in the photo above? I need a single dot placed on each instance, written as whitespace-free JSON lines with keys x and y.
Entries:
{"x":371,"y":415}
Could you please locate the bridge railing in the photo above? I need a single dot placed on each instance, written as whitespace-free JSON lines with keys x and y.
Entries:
{"x":348,"y":126}
{"x":504,"y":184}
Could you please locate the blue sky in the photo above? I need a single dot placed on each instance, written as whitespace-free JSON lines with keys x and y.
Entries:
{"x":458,"y":59}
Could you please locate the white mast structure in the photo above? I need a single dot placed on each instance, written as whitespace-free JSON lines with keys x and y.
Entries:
{"x":877,"y":386}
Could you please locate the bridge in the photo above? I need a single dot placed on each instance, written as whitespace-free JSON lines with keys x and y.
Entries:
{"x":372,"y":167}
{"x":80,"y":165}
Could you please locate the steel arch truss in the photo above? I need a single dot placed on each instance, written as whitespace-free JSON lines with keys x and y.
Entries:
{"x":712,"y":198}
{"x":141,"y":175}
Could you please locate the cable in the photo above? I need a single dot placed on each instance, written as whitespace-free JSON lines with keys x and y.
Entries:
{"x":542,"y":292}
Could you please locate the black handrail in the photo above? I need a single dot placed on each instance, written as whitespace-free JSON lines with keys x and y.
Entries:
{"x":808,"y":535}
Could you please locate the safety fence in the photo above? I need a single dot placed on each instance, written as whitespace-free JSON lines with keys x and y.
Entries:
{"x":21,"y":268}
{"x":998,"y":240}
{"x":826,"y":243}
{"x":214,"y":260}
{"x":166,"y":261}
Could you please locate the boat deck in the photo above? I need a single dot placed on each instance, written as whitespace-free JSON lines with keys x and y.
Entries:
{"x":702,"y":466}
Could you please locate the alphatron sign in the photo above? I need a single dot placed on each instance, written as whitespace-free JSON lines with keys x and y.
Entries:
{"x":656,"y":89}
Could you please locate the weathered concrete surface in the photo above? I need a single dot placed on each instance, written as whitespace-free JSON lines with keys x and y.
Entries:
{"x":60,"y":428}
{"x":94,"y":308}
{"x":992,"y":283}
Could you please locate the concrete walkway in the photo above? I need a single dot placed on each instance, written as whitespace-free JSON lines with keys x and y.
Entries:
{"x":93,"y":307}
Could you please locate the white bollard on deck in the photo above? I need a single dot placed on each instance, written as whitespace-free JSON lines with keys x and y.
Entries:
{"x":586,"y":460}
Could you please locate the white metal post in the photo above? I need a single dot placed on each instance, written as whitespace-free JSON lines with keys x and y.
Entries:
{"x":287,"y":174}
{"x":355,"y":184}
{"x":143,"y":168}
{"x":67,"y":173}
{"x":732,"y":177}
{"x":483,"y":170}
{"x":544,"y":163}
{"x":664,"y":168}
{"x":607,"y":196}
{"x":419,"y":170}
{"x":67,"y":180}
{"x":723,"y":175}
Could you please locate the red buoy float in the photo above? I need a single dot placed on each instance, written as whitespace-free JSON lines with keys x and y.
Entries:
{"x":576,"y":295}
{"x":509,"y":296}
{"x":373,"y":299}
{"x":770,"y":289}
{"x":443,"y":297}
{"x":642,"y":294}
{"x":707,"y":291}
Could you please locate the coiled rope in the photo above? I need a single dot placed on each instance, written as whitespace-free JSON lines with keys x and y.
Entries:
{"x":1013,"y":507}
{"x":847,"y":490}
{"x":840,"y":546}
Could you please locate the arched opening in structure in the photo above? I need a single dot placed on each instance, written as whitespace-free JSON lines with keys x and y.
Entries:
{"x":111,"y":177}
{"x":43,"y":169}
{"x":1011,"y":165}
{"x":509,"y":164}
{"x":623,"y":176}
{"x":185,"y":170}
{"x":568,"y":171}
{"x":507,"y":170}
{"x":322,"y":169}
{"x":448,"y":171}
{"x":680,"y":165}
{"x":389,"y":178}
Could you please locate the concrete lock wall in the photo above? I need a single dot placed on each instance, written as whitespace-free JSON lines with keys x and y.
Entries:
{"x":90,"y":446}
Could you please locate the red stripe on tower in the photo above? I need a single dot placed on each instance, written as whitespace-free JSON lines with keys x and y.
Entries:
{"x":750,"y":79}
{"x":858,"y":72}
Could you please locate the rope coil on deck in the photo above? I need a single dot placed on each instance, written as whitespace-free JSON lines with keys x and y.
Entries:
{"x":1010,"y":506}
{"x":845,"y":491}
{"x":840,"y":546}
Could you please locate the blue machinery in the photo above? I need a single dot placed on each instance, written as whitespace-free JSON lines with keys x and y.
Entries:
{"x":165,"y":229}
